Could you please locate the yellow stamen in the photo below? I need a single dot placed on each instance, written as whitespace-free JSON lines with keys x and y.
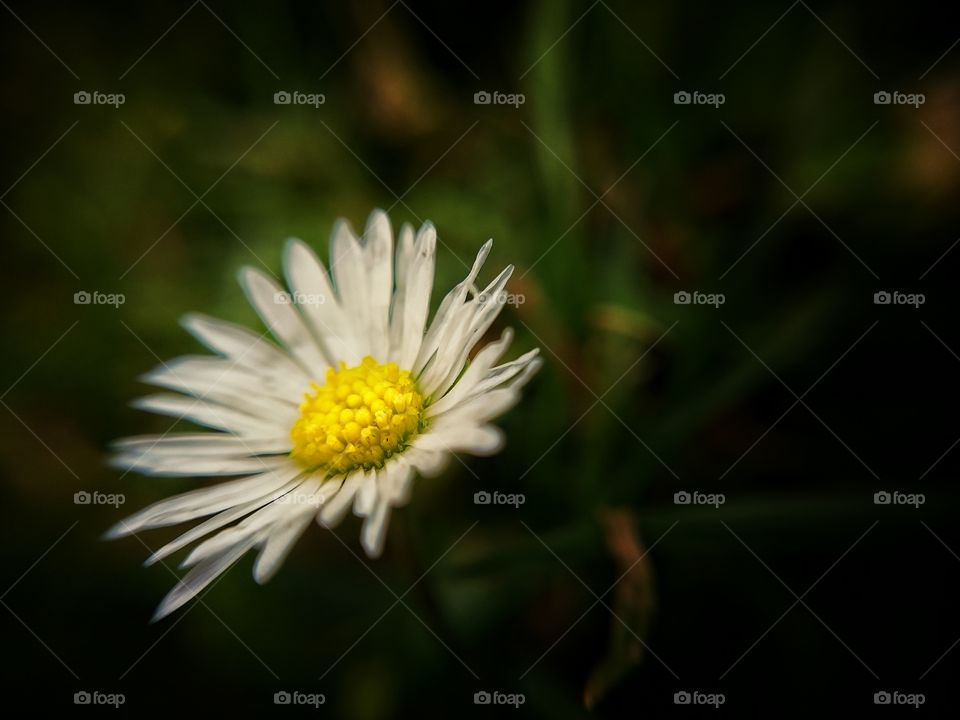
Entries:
{"x":358,"y":418}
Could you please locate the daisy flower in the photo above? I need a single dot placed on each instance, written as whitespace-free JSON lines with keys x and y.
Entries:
{"x":359,"y":395}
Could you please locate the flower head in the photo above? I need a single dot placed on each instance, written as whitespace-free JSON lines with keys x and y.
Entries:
{"x":360,"y":395}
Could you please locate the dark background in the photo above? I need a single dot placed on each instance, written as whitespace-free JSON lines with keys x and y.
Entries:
{"x":639,"y":397}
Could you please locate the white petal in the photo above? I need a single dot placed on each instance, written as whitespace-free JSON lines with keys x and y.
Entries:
{"x":476,"y":440}
{"x":278,"y":546}
{"x":347,"y":265}
{"x":272,"y":304}
{"x":480,"y":408}
{"x":196,"y":466}
{"x":428,"y":463}
{"x":378,"y":259}
{"x":366,"y":496}
{"x":205,"y":501}
{"x":395,"y":480}
{"x":374,"y":530}
{"x":280,"y":541}
{"x":462,"y":334}
{"x":479,"y":367}
{"x":198,"y":578}
{"x":206,"y":527}
{"x":524,"y":366}
{"x":418,"y":286}
{"x":331,"y":323}
{"x":510,"y":376}
{"x":223,"y":382}
{"x":404,"y":255}
{"x":205,"y":413}
{"x":202,"y":444}
{"x":401,"y":264}
{"x":452,"y":302}
{"x":336,"y":507}
{"x":244,"y":347}
{"x":259,"y":524}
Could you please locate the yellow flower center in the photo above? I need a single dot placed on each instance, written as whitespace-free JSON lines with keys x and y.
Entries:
{"x":358,"y":418}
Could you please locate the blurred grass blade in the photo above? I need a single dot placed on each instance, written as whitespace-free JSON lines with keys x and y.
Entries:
{"x":634,"y":604}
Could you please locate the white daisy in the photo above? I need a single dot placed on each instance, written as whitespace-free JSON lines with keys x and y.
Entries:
{"x":359,"y":397}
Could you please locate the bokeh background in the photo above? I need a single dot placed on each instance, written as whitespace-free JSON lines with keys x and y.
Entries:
{"x":798,"y":398}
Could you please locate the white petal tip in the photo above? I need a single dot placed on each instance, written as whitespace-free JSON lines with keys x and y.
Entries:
{"x":127,"y":526}
{"x":150,"y":376}
{"x":117,"y":531}
{"x":161,"y":612}
{"x":427,"y":241}
{"x":342,"y":227}
{"x":190,"y":319}
{"x":246,"y":274}
{"x":292,"y":245}
{"x":372,"y":537}
{"x":484,"y":253}
{"x":377,"y":215}
{"x":175,"y":599}
{"x":373,"y":551}
{"x":119,"y":461}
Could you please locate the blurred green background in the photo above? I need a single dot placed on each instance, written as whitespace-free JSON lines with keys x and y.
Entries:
{"x":798,"y":398}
